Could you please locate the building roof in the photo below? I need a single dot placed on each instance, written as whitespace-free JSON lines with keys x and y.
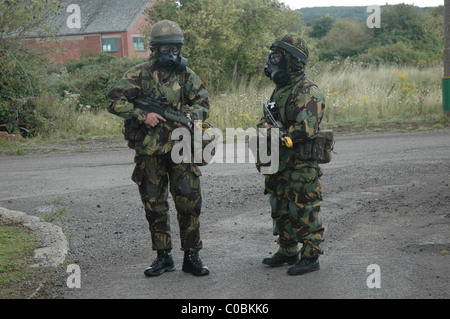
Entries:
{"x":100,"y":16}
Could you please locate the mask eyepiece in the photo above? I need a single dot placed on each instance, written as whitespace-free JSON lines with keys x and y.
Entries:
{"x":275,"y":57}
{"x":165,"y":49}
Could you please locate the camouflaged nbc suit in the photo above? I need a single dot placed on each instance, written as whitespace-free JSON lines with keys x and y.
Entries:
{"x":155,"y":170}
{"x":295,"y":190}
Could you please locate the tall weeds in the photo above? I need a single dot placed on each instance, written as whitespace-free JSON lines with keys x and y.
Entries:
{"x":355,"y":94}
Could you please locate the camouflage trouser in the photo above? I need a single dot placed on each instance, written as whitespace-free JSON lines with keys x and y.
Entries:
{"x":153,"y":174}
{"x":295,"y":199}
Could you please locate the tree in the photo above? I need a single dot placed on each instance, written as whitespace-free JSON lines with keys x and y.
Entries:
{"x":19,"y":18}
{"x":226,"y":37}
{"x":345,"y":39}
{"x":20,"y":71}
{"x":320,"y":27}
{"x":400,"y":23}
{"x":407,"y":36}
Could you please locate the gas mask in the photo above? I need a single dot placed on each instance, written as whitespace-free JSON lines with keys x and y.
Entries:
{"x":169,"y":57}
{"x":276,"y":68}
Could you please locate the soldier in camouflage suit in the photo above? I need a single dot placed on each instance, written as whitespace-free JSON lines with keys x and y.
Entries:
{"x":295,"y":190}
{"x":166,"y":75}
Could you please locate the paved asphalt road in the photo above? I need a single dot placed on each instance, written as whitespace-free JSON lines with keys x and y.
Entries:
{"x":386,"y":203}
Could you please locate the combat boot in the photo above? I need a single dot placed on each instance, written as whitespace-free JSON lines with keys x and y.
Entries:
{"x":193,"y":264}
{"x":305,"y":265}
{"x":279,"y":259}
{"x":163,"y":263}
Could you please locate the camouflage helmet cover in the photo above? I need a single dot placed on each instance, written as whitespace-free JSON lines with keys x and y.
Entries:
{"x":294,"y":45}
{"x":166,"y":32}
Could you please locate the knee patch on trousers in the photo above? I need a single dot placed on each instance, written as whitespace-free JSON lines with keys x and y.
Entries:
{"x":185,"y":187}
{"x":152,"y":190}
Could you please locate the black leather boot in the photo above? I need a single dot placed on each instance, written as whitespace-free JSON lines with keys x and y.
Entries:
{"x":163,"y":263}
{"x":278,"y":260}
{"x":305,"y":265}
{"x":193,"y":264}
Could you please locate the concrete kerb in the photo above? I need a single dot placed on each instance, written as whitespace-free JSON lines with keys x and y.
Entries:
{"x":51,"y":237}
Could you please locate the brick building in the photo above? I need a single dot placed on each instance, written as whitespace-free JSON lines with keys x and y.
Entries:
{"x":86,"y":27}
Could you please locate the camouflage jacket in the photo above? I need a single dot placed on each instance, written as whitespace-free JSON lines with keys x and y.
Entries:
{"x":184,"y":92}
{"x":301,"y":106}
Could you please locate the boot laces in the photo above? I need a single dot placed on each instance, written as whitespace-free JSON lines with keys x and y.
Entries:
{"x":160,"y":257}
{"x":195,"y":259}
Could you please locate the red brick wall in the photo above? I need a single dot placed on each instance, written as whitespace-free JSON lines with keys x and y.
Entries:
{"x":67,"y":48}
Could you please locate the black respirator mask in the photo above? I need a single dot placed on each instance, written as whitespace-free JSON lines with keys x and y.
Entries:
{"x":169,"y":57}
{"x":276,"y":68}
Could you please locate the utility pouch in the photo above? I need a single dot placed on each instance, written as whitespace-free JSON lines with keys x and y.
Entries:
{"x":207,"y":146}
{"x":133,"y":132}
{"x":323,"y":146}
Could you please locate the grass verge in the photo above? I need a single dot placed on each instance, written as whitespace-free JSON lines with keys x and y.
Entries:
{"x":17,"y":244}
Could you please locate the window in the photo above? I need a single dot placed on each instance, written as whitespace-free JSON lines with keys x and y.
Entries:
{"x":110,"y":45}
{"x":138,"y":44}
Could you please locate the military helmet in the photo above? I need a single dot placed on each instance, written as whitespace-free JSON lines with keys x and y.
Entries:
{"x":166,"y":32}
{"x":294,"y":45}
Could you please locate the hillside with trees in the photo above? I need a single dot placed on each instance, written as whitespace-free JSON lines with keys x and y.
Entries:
{"x":408,"y":35}
{"x":355,"y":13}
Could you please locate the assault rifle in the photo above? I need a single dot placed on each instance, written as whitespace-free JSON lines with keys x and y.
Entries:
{"x":152,"y":103}
{"x":271,"y":114}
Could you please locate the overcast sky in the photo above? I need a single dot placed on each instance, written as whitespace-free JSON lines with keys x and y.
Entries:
{"x":298,"y":4}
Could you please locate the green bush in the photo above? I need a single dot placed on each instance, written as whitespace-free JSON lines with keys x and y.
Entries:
{"x":20,"y":85}
{"x":19,"y":74}
{"x":399,"y":53}
{"x":37,"y":97}
{"x":19,"y":116}
{"x":91,"y":78}
{"x":346,"y":38}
